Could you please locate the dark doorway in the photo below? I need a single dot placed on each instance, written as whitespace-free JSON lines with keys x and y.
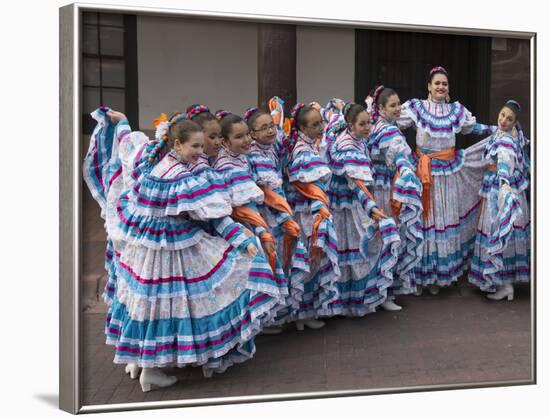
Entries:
{"x":402,"y":60}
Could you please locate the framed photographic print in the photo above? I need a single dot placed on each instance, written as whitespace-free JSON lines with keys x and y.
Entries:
{"x":258,"y":208}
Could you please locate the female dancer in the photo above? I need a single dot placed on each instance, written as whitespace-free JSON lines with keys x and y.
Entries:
{"x":502,"y":247}
{"x":366,"y":264}
{"x":396,"y":187}
{"x":450,"y":180}
{"x":183,"y":297}
{"x":308,"y":175}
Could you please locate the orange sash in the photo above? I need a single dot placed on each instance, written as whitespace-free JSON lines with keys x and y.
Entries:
{"x":364,"y":188}
{"x":291,"y":228}
{"x":313,"y":192}
{"x":424,"y":172}
{"x":246,"y":214}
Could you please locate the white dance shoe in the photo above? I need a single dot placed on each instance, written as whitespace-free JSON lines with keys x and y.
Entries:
{"x":312,"y":324}
{"x":207,"y":372}
{"x":434,"y":289}
{"x":154,"y":377}
{"x":389,"y":305}
{"x":132,"y":369}
{"x":505,"y":291}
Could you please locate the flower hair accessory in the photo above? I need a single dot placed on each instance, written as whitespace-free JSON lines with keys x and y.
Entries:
{"x":196,"y":110}
{"x":249,"y":112}
{"x":161,"y":126}
{"x":369,"y":102}
{"x":220,"y":114}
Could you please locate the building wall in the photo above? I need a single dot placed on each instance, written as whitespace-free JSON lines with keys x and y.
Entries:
{"x":215,"y":63}
{"x":325,"y":66}
{"x":184,"y":61}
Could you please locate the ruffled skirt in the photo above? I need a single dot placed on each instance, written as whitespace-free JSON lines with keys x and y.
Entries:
{"x":449,"y":230}
{"x":200,"y":304}
{"x":502,"y":243}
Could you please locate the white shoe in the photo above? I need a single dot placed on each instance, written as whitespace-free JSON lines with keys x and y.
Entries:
{"x":418,"y":291}
{"x":312,"y":324}
{"x":434,"y":289}
{"x":389,"y":305}
{"x":132,"y":369}
{"x":272,"y":330}
{"x":207,"y":372}
{"x":506,"y":291}
{"x":154,"y":377}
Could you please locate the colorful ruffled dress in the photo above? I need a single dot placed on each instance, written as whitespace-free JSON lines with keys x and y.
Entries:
{"x":502,"y":245}
{"x":266,"y":167}
{"x":397,"y":191}
{"x":308,"y":174}
{"x":102,"y":173}
{"x":245,"y":198}
{"x":183,"y":296}
{"x":450,"y":180}
{"x":367,"y":250}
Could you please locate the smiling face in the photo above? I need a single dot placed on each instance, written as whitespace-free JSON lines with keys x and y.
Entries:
{"x":191,"y":149}
{"x":392,"y":109}
{"x":314,"y":127}
{"x":264,"y":130}
{"x":239,"y":139}
{"x":439,"y":87}
{"x":212,"y":137}
{"x":361,"y":127}
{"x":506,"y":119}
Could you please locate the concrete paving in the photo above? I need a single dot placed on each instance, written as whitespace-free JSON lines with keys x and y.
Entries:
{"x":457,"y":336}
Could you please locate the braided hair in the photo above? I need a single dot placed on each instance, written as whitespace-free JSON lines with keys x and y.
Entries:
{"x":200,"y":113}
{"x":295,"y":114}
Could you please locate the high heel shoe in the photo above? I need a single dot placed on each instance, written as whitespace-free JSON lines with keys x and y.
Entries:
{"x":312,"y":324}
{"x":132,"y":369}
{"x":207,"y":372}
{"x":389,"y":305}
{"x":506,"y":291}
{"x":418,"y":291}
{"x":153,"y":377}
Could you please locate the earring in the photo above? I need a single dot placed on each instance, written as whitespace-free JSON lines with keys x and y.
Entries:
{"x":429,"y":95}
{"x":448,"y":98}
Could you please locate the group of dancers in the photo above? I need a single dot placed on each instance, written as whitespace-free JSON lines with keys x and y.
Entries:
{"x":222,"y":226}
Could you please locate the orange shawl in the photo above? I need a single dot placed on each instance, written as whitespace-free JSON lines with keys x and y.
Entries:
{"x":313,"y":192}
{"x":291,"y":228}
{"x":246,"y":214}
